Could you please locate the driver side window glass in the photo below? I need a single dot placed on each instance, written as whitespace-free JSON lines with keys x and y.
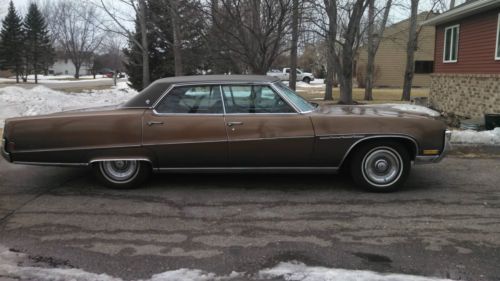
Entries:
{"x":192,"y":99}
{"x":253,"y":99}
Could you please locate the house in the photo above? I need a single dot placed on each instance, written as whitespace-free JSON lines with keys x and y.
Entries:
{"x":466,"y":78}
{"x":64,"y":66}
{"x":390,"y":60}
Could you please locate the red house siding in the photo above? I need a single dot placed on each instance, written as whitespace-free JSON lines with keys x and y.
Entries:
{"x":476,"y":45}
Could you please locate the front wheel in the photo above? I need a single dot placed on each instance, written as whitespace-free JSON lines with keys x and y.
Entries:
{"x":122,"y":174}
{"x":307,"y":80}
{"x":381,"y":166}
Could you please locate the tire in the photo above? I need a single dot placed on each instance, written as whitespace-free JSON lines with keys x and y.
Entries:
{"x":307,"y":80}
{"x":123,"y":174}
{"x":381,"y":166}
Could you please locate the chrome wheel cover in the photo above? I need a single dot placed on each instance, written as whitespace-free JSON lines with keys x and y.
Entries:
{"x":382,"y":166}
{"x":119,"y":171}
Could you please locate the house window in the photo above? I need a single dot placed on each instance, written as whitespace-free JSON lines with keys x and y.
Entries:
{"x":451,"y":44}
{"x":497,"y":50}
{"x":424,"y":66}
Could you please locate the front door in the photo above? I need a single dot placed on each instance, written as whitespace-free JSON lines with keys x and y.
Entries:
{"x":264,"y":130}
{"x":187,"y":129}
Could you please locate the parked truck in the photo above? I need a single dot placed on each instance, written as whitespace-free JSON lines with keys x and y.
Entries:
{"x":284,"y":74}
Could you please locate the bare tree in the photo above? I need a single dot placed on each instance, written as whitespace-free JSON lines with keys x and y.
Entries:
{"x":177,"y":44}
{"x":375,"y":35}
{"x":252,"y":30}
{"x":331,"y":53}
{"x":118,"y":18}
{"x":78,"y":33}
{"x":295,"y":40}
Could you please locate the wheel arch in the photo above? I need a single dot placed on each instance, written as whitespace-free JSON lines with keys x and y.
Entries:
{"x":409,"y":142}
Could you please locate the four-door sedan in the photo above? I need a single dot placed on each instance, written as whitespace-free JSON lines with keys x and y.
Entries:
{"x":228,"y":123}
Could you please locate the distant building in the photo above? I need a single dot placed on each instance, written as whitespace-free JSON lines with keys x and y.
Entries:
{"x":390,"y":60}
{"x":64,"y":66}
{"x":467,"y":59}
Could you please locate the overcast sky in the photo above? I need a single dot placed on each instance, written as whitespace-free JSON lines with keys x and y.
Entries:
{"x":399,"y":12}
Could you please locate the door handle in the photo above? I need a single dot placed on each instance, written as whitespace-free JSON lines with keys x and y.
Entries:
{"x":151,"y":123}
{"x":230,"y":124}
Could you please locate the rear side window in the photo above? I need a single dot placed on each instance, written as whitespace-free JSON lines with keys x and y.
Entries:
{"x":192,"y":100}
{"x":253,"y":99}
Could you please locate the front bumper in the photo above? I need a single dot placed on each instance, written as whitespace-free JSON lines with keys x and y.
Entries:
{"x":5,"y":154}
{"x":424,"y":159}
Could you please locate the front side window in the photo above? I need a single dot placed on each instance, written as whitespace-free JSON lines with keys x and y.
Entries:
{"x":192,"y":99}
{"x":298,"y":101}
{"x":253,"y":99}
{"x":497,"y":50}
{"x":451,"y":44}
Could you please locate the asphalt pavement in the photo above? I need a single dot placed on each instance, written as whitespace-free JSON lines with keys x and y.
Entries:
{"x":445,"y":223}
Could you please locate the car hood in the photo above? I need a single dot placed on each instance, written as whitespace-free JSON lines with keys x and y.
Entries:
{"x":379,"y":110}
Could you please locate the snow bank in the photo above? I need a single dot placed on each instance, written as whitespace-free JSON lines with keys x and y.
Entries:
{"x":11,"y":266}
{"x":17,"y":101}
{"x":478,"y":138}
{"x":410,"y":108}
{"x":293,"y":271}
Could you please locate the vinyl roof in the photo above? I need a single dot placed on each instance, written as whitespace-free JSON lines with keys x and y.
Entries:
{"x":148,"y":96}
{"x":217,"y":78}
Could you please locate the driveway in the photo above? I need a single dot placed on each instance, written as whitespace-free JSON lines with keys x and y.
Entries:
{"x":445,"y":223}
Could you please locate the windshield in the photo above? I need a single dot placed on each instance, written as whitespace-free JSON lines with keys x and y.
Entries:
{"x":300,"y":102}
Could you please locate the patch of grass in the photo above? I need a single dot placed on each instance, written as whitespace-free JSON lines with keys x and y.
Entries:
{"x":380,"y":95}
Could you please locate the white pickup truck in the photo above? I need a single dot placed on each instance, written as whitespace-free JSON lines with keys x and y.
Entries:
{"x":285,"y":75}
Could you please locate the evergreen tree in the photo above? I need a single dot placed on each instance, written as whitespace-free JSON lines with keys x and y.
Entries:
{"x":12,"y":42}
{"x":39,"y":51}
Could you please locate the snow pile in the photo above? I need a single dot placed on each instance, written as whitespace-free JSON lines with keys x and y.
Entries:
{"x":409,"y":108}
{"x":293,"y":271}
{"x":17,"y":101}
{"x":11,"y":266}
{"x":473,"y":137}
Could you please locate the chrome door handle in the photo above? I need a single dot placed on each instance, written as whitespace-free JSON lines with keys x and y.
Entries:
{"x":230,"y":124}
{"x":151,"y":123}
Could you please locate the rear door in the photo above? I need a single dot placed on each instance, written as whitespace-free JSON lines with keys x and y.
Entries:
{"x":187,"y":129}
{"x":264,"y":130}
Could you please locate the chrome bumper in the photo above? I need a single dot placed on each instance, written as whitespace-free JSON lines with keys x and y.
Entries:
{"x":5,"y":154}
{"x":423,"y":159}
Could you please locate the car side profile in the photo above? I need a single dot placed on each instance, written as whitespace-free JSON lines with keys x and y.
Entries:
{"x":220,"y":123}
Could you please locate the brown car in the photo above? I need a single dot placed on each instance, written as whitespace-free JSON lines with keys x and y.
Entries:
{"x":228,"y":123}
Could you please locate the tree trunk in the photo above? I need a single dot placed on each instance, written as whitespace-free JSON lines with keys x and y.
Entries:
{"x":177,"y":39}
{"x":331,"y":10}
{"x":295,"y":39}
{"x":77,"y":70}
{"x":144,"y":44}
{"x":370,"y":65}
{"x":410,"y":52}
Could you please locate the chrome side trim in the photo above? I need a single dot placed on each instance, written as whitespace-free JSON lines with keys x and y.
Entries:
{"x":247,"y":169}
{"x":378,"y":137}
{"x":76,"y":148}
{"x":225,"y":140}
{"x":332,"y":137}
{"x":52,"y":164}
{"x":101,"y":159}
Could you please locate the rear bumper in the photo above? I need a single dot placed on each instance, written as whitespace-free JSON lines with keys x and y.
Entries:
{"x":5,"y":154}
{"x":421,"y":159}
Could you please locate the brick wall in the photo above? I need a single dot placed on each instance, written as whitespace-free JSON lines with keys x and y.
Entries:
{"x":467,"y":95}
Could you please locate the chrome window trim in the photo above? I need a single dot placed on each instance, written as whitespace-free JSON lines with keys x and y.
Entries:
{"x":172,"y":86}
{"x":497,"y":47}
{"x":292,"y":105}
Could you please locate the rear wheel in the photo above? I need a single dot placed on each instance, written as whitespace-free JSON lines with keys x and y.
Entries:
{"x":307,"y":80}
{"x":381,"y":166}
{"x":122,"y":174}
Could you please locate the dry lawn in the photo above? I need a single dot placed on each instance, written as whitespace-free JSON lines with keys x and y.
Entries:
{"x":383,"y":95}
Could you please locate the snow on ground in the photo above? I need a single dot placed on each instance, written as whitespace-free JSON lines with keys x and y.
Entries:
{"x":491,"y":137}
{"x":317,"y":83}
{"x":13,"y":265}
{"x":409,"y":107}
{"x":17,"y":101}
